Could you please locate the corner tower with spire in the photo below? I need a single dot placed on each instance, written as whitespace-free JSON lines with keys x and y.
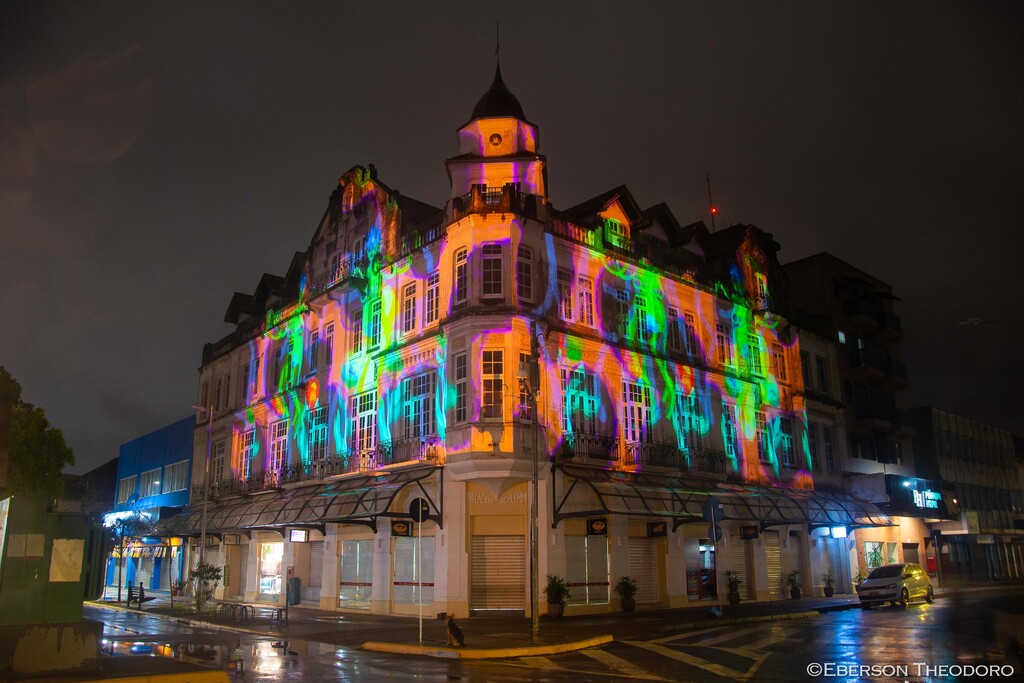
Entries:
{"x":497,"y":148}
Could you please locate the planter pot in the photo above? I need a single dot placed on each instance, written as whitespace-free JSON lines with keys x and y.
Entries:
{"x":794,"y":593}
{"x":829,"y":591}
{"x":556,"y":609}
{"x":628,"y":604}
{"x":734,"y":598}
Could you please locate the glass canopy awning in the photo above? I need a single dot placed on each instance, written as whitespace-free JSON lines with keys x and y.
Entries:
{"x":587,"y":491}
{"x":353,"y":500}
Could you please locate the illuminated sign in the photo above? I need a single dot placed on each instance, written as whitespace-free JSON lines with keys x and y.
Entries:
{"x":298,"y":535}
{"x":401,"y":529}
{"x":597,"y":527}
{"x":748,"y":532}
{"x":927,"y":499}
{"x":839,"y":532}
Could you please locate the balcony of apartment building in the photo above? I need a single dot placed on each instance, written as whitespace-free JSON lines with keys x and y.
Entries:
{"x":867,"y":363}
{"x":506,"y":199}
{"x":890,"y":328}
{"x":895,"y":375}
{"x":861,"y":314}
{"x":873,"y":415}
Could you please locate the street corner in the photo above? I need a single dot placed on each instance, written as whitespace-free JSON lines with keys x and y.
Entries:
{"x":486,"y":653}
{"x":205,"y":676}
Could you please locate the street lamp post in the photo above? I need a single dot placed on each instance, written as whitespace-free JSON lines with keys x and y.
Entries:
{"x":206,"y":482}
{"x":528,"y":375}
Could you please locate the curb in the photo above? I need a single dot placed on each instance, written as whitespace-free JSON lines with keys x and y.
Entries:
{"x":191,"y":622}
{"x":184,"y":677}
{"x":484,"y":653}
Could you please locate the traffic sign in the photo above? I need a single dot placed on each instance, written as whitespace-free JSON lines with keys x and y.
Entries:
{"x":419,"y":509}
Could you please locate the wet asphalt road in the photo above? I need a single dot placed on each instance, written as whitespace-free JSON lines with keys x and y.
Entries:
{"x":883,"y":644}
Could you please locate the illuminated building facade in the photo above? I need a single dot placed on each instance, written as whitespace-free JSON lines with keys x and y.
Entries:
{"x":415,"y":355}
{"x":985,"y":541}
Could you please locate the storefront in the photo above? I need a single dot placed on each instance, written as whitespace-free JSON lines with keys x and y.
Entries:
{"x":270,"y":577}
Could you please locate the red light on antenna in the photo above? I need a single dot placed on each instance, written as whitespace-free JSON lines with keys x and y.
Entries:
{"x":714,"y":209}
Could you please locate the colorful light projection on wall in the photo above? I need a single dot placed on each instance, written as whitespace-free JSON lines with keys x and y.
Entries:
{"x":629,"y":353}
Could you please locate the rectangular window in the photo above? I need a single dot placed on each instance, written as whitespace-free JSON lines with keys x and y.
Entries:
{"x":374,"y":336}
{"x":565,"y":294}
{"x":256,"y":375}
{"x":314,"y":349}
{"x":729,"y":430}
{"x":278,"y":445}
{"x":419,"y":405}
{"x":125,"y":489}
{"x":786,"y":441}
{"x":430,"y":315}
{"x":822,"y":367}
{"x":363,"y":438}
{"x":828,"y":441}
{"x":691,"y":334}
{"x":216,"y":393}
{"x":328,"y":345}
{"x":763,"y":445}
{"x":524,"y":410}
{"x":318,"y":433}
{"x":409,"y":308}
{"x":491,"y":285}
{"x":586,"y":297}
{"x":492,"y":384}
{"x":622,"y":307}
{"x":754,"y":348}
{"x":524,"y":274}
{"x":675,"y":337}
{"x":227,"y":391}
{"x":779,"y":362}
{"x":805,"y":370}
{"x":461,"y":389}
{"x":149,"y":483}
{"x":688,"y":410}
{"x":640,"y":309}
{"x":243,"y":385}
{"x":636,"y":412}
{"x":176,"y":476}
{"x":461,"y":284}
{"x":724,"y":344}
{"x":357,"y":330}
{"x":579,"y":401}
{"x":812,"y":443}
{"x":204,"y":395}
{"x":217,"y":462}
{"x":246,"y":453}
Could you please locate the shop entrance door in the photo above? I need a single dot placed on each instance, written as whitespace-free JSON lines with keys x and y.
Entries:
{"x":271,"y":555}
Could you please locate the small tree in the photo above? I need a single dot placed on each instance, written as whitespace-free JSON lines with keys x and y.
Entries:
{"x":122,"y":528}
{"x":204,"y":577}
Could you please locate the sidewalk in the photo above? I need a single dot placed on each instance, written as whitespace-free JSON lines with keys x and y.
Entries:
{"x":504,"y":636}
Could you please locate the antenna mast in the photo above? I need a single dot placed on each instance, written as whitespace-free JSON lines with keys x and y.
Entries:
{"x":712,"y":209}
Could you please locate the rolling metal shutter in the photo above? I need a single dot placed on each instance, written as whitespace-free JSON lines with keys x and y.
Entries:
{"x":773,"y":560}
{"x":311,"y":591}
{"x":642,"y":567}
{"x":739,"y":556}
{"x":498,"y":573}
{"x":243,"y":569}
{"x":791,"y":555}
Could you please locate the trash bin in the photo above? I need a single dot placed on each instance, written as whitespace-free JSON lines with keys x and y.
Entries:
{"x":294,"y":590}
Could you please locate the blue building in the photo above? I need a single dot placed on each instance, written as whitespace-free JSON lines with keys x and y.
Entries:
{"x":153,"y":478}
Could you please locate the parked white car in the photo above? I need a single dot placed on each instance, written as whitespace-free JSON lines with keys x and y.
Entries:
{"x":897,"y":584}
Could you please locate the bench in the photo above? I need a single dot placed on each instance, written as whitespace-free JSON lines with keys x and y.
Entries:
{"x":138,"y":596}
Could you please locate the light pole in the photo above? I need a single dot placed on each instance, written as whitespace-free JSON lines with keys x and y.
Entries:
{"x":206,"y":483}
{"x":528,"y":376}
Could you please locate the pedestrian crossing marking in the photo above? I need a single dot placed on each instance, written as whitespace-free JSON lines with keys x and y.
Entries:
{"x":687,"y":634}
{"x":540,"y":662}
{"x":765,"y":642}
{"x":692,"y":660}
{"x":623,"y":666}
{"x":728,"y":635}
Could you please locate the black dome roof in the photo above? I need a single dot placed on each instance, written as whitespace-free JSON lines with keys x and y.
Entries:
{"x":498,"y":101}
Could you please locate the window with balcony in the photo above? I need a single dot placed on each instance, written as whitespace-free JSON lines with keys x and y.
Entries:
{"x":828,"y":446}
{"x":461,"y":284}
{"x":246,"y":453}
{"x":586,"y":299}
{"x":318,"y":433}
{"x":278,"y":445}
{"x":636,"y":412}
{"x":524,"y":410}
{"x":227,"y":391}
{"x":723,"y":347}
{"x":492,"y":384}
{"x":409,"y":308}
{"x":754,"y":349}
{"x":217,"y":461}
{"x":579,"y":401}
{"x":779,"y":362}
{"x":314,"y":349}
{"x":689,"y":420}
{"x":363,"y":416}
{"x":176,"y":476}
{"x":565,"y":294}
{"x":431,"y":312}
{"x":822,"y":367}
{"x":149,"y":483}
{"x":461,"y":387}
{"x":763,"y":444}
{"x":729,"y":429}
{"x":328,"y":345}
{"x":805,"y":370}
{"x":622,"y":308}
{"x":786,"y":442}
{"x":126,"y":489}
{"x":216,"y":393}
{"x":491,"y":286}
{"x":373,"y":340}
{"x":419,"y":405}
{"x":524,"y":274}
{"x":675,"y":337}
{"x":812,"y":443}
{"x":690,"y":338}
{"x":243,"y":385}
{"x":640,"y":310}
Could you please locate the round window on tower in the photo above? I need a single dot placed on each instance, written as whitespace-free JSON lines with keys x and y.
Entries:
{"x":495,"y":139}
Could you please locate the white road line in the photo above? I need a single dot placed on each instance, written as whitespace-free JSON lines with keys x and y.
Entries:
{"x":727,"y":636}
{"x":765,"y":642}
{"x":697,"y":662}
{"x":539,"y":662}
{"x":624,"y":667}
{"x":688,"y":634}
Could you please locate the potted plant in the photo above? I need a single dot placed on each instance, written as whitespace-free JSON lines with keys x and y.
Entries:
{"x":858,"y":580}
{"x":733,"y":581}
{"x":557,"y":591}
{"x":176,"y":588}
{"x":626,"y":588}
{"x":829,"y":582}
{"x":793,"y":581}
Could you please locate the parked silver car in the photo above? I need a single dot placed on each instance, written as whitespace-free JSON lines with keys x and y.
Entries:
{"x":897,"y":584}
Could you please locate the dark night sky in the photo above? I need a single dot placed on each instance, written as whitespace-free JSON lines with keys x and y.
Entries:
{"x":155,"y":158}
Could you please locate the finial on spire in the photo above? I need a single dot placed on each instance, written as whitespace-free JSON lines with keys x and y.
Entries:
{"x":497,"y":41}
